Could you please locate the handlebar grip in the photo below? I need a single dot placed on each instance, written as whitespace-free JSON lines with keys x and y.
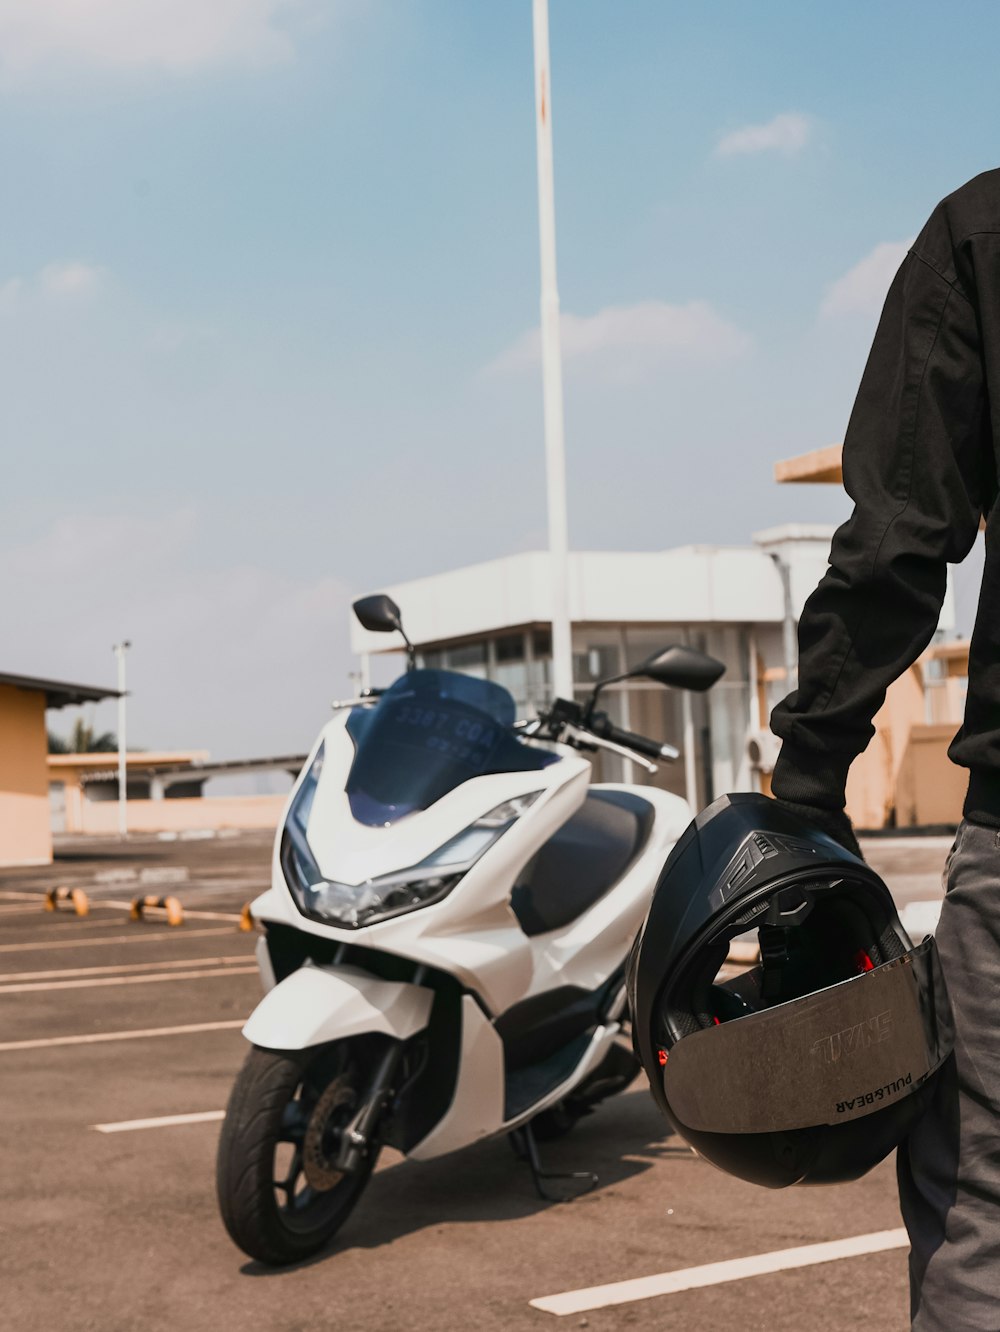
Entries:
{"x":649,"y":748}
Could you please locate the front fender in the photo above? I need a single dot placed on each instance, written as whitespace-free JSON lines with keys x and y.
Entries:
{"x":318,"y":1004}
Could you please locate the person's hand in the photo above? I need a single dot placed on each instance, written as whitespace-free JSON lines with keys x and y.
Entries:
{"x":834,"y":822}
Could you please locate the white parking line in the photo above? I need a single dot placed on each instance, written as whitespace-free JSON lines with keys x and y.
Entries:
{"x":194,"y":891}
{"x":66,"y":922}
{"x":98,"y":1037}
{"x":121,"y":938}
{"x":117,"y":905}
{"x":95,"y":982}
{"x":713,"y":1274}
{"x":117,"y":968}
{"x":163,"y":1121}
{"x":188,"y":915}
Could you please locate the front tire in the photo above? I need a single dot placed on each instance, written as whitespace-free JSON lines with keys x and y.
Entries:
{"x":280,"y":1199}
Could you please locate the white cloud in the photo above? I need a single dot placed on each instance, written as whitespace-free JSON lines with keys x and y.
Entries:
{"x":236,"y":657}
{"x":862,"y":288}
{"x":177,"y":36}
{"x":68,"y":280}
{"x":630,"y":340}
{"x":787,"y":133}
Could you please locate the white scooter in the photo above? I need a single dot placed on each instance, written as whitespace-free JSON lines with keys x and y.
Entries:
{"x":444,"y":942}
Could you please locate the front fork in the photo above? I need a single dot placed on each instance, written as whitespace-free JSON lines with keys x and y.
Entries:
{"x":357,"y":1137}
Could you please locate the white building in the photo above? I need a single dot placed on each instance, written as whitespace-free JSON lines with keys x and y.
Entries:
{"x":493,"y":620}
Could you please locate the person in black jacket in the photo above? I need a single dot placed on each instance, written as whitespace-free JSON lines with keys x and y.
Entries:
{"x":921,"y":465}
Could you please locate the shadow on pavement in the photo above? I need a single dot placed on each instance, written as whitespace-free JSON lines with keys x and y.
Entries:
{"x":487,"y":1182}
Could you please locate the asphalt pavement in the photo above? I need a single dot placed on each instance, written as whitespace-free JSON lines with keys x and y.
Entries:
{"x":104,"y":1020}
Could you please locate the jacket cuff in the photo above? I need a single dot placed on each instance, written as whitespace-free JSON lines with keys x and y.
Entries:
{"x":808,"y":778}
{"x":982,"y":804}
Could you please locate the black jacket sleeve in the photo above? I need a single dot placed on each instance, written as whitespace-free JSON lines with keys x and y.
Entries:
{"x":914,"y":459}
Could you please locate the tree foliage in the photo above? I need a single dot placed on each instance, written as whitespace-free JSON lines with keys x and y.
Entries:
{"x":83,"y":740}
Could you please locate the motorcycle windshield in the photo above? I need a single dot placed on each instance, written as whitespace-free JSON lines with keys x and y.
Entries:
{"x":431,"y":731}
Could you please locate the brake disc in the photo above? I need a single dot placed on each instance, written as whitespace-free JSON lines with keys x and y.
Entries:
{"x":322,"y":1141}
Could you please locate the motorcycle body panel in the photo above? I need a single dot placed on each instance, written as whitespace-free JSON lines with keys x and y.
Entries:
{"x":315,"y":1005}
{"x":476,"y":1109}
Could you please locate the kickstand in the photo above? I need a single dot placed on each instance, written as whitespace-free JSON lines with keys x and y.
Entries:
{"x":526,"y":1149}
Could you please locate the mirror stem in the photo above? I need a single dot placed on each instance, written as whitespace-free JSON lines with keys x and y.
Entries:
{"x":592,"y":703}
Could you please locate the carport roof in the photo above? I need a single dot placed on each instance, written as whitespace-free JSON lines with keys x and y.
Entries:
{"x":823,"y":466}
{"x":58,"y":693}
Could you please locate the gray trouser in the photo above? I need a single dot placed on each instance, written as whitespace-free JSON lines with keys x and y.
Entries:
{"x":949,"y":1168}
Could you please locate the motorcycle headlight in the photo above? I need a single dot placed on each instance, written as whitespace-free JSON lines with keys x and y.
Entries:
{"x":352,"y":906}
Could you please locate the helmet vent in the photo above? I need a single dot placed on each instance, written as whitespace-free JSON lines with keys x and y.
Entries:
{"x":742,"y":870}
{"x":755,"y":849}
{"x":747,"y":916}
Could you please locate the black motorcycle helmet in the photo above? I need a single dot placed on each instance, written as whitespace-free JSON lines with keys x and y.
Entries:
{"x":811,"y":1067}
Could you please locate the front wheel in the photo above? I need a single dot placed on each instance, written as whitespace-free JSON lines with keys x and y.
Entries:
{"x":281,"y":1196}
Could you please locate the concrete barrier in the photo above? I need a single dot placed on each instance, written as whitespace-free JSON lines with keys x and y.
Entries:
{"x":72,"y":897}
{"x":170,"y":905}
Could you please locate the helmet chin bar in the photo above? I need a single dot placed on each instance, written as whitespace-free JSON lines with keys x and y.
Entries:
{"x":856,"y":1047}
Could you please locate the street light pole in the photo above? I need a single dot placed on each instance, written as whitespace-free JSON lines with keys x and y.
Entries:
{"x":788,"y":628}
{"x":119,"y":650}
{"x":552,"y":389}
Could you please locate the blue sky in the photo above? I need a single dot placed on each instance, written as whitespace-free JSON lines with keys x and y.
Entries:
{"x":268,"y":281}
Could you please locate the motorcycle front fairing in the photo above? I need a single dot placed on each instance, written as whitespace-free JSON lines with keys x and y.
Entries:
{"x":470,"y":933}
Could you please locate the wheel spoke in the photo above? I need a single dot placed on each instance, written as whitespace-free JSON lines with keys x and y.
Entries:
{"x":294,"y":1119}
{"x":300,"y":1201}
{"x":287,"y":1185}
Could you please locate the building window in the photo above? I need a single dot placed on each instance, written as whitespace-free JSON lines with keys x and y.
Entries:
{"x":470,"y":658}
{"x":595,"y":663}
{"x":642,"y":643}
{"x":510,"y":647}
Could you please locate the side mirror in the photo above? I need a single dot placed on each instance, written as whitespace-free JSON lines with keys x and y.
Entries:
{"x":678,"y":666}
{"x":682,"y":667}
{"x":379,"y":614}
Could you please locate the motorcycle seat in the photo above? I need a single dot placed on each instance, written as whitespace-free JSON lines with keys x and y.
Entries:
{"x":581,"y":861}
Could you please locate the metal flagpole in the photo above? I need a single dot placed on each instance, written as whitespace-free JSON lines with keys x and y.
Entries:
{"x":552,"y":390}
{"x":119,"y":650}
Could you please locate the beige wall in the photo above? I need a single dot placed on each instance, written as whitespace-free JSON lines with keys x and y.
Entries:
{"x":25,"y":838}
{"x":66,"y":770}
{"x":69,"y":780}
{"x":183,"y":814}
{"x":905,"y":777}
{"x":931,"y":789}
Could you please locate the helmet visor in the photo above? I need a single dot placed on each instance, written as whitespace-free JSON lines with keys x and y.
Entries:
{"x":825,"y":1058}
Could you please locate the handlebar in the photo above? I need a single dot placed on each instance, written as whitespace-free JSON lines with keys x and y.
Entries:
{"x":569,"y":723}
{"x":365,"y":697}
{"x":641,"y":744}
{"x":602,"y":726}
